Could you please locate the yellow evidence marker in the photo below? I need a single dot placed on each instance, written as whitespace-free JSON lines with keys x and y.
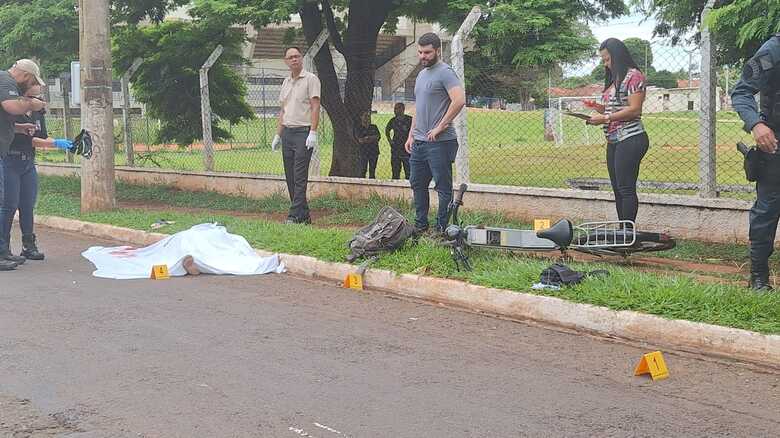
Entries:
{"x":541,"y":224}
{"x":353,"y":281}
{"x":653,"y":364}
{"x":160,"y":272}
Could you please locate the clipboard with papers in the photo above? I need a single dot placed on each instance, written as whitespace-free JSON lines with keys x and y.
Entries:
{"x":578,"y":115}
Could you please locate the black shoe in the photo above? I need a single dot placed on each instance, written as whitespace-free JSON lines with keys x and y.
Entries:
{"x":292,"y":220}
{"x":7,"y":265}
{"x":19,"y":260}
{"x":419,"y":232}
{"x":759,"y":282}
{"x":30,"y":248}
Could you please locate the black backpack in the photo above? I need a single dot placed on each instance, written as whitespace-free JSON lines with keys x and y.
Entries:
{"x":561,"y":275}
{"x":387,"y":233}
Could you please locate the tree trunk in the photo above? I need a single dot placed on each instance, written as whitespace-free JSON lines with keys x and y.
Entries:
{"x":97,"y":173}
{"x":359,"y":50}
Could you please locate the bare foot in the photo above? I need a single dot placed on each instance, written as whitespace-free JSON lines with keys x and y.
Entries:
{"x":188,"y":263}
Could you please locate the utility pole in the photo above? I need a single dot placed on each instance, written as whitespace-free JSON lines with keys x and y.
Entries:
{"x":98,"y":191}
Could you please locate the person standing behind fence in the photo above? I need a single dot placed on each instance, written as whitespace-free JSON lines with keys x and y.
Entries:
{"x":621,"y":116}
{"x":397,"y":131}
{"x":296,"y":130}
{"x":368,"y":137}
{"x":22,"y":75}
{"x":432,"y":141}
{"x":761,"y":74}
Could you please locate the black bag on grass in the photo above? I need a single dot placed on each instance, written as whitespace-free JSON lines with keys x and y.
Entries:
{"x":561,"y":275}
{"x":387,"y":233}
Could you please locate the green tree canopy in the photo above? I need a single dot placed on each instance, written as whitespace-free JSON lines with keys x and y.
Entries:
{"x":46,"y":30}
{"x":168,"y":80}
{"x":738,"y":27}
{"x":522,"y":42}
{"x":641,"y":52}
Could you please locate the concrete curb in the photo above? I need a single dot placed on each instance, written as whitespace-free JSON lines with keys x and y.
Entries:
{"x":676,"y":334}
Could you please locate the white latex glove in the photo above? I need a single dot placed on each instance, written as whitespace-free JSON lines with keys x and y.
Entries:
{"x":275,"y":142}
{"x":311,"y":140}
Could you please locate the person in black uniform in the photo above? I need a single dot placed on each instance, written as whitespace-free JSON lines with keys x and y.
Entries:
{"x":761,"y":75}
{"x":368,"y":137}
{"x":397,"y":131}
{"x":20,"y":178}
{"x":21,"y":76}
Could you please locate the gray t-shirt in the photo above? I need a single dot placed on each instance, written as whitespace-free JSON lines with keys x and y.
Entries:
{"x":432,"y":100}
{"x":8,"y":91}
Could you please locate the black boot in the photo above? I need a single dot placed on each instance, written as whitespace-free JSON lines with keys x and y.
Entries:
{"x":759,"y":282}
{"x":759,"y":272}
{"x":29,"y":248}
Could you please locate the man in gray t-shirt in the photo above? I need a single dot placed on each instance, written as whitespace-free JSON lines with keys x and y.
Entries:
{"x":432,"y":143}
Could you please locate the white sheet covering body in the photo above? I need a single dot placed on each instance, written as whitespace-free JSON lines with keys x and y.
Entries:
{"x":214,"y":250}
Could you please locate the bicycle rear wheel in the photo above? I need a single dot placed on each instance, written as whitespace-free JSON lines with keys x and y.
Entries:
{"x":645,"y":242}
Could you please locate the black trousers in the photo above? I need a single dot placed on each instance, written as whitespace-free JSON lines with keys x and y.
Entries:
{"x":296,"y":158}
{"x":764,"y":215}
{"x":398,"y":160}
{"x":623,"y":160}
{"x":368,"y":160}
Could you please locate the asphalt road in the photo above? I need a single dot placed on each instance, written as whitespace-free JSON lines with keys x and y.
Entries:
{"x":280,"y":356}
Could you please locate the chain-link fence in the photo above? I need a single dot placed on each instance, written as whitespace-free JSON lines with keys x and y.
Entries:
{"x":536,"y":142}
{"x":519,"y":132}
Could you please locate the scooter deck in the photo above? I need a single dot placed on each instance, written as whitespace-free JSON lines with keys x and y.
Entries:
{"x":506,"y":238}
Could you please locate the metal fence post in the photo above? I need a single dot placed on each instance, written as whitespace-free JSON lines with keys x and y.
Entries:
{"x":65,"y":83}
{"x":707,"y":112}
{"x":265,"y":108}
{"x":461,"y":127}
{"x":128,"y":128}
{"x":308,"y":64}
{"x":205,"y":108}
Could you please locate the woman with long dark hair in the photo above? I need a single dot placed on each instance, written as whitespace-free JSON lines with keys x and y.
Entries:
{"x":621,"y":116}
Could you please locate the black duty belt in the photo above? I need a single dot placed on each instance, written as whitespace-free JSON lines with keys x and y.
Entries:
{"x":21,"y":155}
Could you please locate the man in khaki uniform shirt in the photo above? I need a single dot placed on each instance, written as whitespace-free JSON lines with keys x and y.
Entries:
{"x":296,"y":130}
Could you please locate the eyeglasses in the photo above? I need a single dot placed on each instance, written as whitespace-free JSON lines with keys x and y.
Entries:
{"x":291,"y":57}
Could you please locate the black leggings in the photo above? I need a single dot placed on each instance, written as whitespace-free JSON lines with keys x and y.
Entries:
{"x":623,"y":160}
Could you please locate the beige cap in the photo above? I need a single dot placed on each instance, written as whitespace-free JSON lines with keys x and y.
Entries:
{"x":29,"y":66}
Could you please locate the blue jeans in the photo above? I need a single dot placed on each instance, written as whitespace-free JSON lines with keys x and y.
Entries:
{"x":432,"y":160}
{"x":20,"y":181}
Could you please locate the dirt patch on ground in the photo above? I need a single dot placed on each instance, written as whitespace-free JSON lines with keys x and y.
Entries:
{"x":20,"y":419}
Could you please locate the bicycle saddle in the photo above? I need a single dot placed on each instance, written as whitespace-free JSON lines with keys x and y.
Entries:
{"x":561,"y":233}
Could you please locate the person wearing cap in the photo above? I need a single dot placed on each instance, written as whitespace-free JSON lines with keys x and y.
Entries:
{"x":20,"y":178}
{"x":21,"y":76}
